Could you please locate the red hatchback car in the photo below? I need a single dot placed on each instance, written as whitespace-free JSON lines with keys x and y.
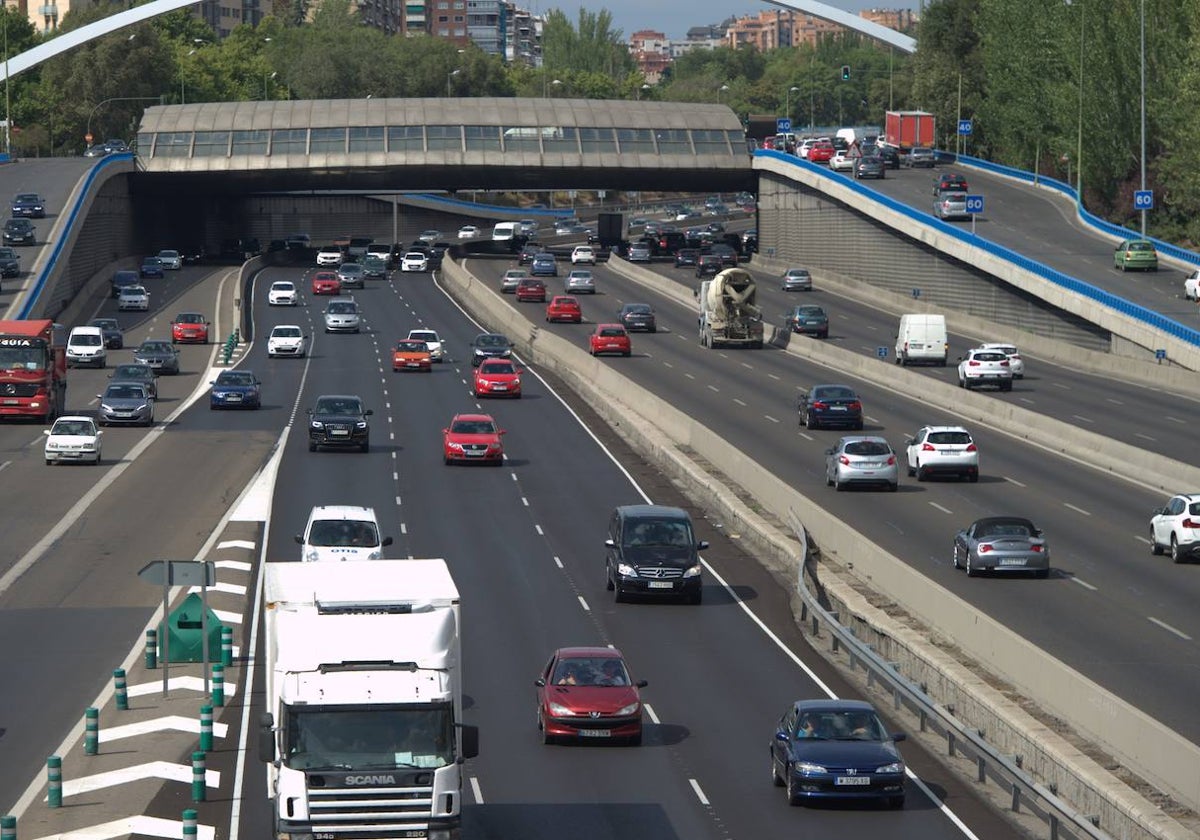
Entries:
{"x":497,"y":378}
{"x":474,"y":439}
{"x":326,"y":283}
{"x":531,"y":288}
{"x":564,"y":308}
{"x":609,"y":338}
{"x":189,"y":328}
{"x":821,"y":153}
{"x":587,"y":693}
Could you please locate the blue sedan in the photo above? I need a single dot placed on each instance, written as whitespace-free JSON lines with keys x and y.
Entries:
{"x":235,"y":389}
{"x":152,"y":267}
{"x":836,"y":749}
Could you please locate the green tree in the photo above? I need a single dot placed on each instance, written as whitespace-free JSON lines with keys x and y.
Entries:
{"x":592,"y":47}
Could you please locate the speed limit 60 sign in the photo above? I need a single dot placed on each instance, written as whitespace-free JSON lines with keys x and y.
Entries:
{"x":974,"y":204}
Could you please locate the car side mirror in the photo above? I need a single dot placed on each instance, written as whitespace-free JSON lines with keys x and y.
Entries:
{"x":386,"y":541}
{"x":897,"y":736}
{"x":703,"y":544}
{"x":46,"y":432}
{"x":99,"y":396}
{"x":642,"y":683}
{"x":445,"y":431}
{"x":502,"y":432}
{"x":368,"y":412}
{"x":610,"y":543}
{"x":781,"y":735}
{"x":212,"y":382}
{"x":540,"y":682}
{"x":299,"y":538}
{"x":909,"y":441}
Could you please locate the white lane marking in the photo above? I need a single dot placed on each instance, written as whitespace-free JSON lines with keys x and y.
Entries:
{"x":525,"y":501}
{"x":714,"y":389}
{"x":583,"y":603}
{"x":149,"y":770}
{"x":476,"y":791}
{"x":139,"y":826}
{"x":236,"y":565}
{"x":689,"y":376}
{"x":185,"y":683}
{"x":1085,"y":584}
{"x":1169,"y":628}
{"x":1013,"y":481}
{"x":395,"y":476}
{"x":1142,"y":436}
{"x":234,"y":544}
{"x":1026,"y":400}
{"x":1175,"y":419}
{"x":1083,"y":419}
{"x":1115,"y":402}
{"x":773,"y":376}
{"x":539,"y":530}
{"x":228,"y":616}
{"x":398,"y":502}
{"x":1142,"y":539}
{"x":227,"y":588}
{"x":739,"y":402}
{"x":1076,"y":509}
{"x":558,"y":561}
{"x":649,"y":711}
{"x":769,"y":417}
{"x":403,"y":529}
{"x":1061,"y":385}
{"x":668,"y":364}
{"x":160,"y":724}
{"x":806,"y":435}
{"x":870,"y":418}
{"x":747,"y":367}
{"x":939,"y":507}
{"x":699,"y":793}
{"x":5,"y":464}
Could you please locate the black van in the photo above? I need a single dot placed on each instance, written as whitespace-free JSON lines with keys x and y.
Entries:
{"x":653,"y":550}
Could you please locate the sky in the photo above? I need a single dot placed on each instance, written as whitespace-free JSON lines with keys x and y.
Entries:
{"x":675,"y":17}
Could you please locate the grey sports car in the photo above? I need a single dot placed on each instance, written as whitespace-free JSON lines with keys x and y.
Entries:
{"x":1002,"y":544}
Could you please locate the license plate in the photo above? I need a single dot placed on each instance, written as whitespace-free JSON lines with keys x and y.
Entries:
{"x":595,"y":733}
{"x":499,"y":387}
{"x":837,"y":408}
{"x":234,"y":397}
{"x":660,"y":584}
{"x":12,"y":402}
{"x":852,"y":780}
{"x":339,"y":433}
{"x":414,"y":364}
{"x":1013,"y":561}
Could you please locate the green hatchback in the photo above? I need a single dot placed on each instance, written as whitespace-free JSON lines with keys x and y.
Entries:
{"x":1136,"y":253}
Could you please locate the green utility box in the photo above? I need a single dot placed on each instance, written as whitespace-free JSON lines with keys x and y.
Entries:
{"x":187,"y":637}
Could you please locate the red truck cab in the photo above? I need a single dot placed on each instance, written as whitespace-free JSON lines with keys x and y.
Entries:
{"x":33,"y":369}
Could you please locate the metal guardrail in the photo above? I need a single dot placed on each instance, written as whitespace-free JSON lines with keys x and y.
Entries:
{"x":1002,"y":769}
{"x":1124,"y":307}
{"x":72,"y":216}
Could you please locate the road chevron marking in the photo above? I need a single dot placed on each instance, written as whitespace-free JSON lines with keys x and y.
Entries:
{"x":228,"y":588}
{"x":160,"y":724}
{"x":235,"y":544}
{"x":149,"y":826}
{"x":149,"y":770}
{"x":186,"y":683}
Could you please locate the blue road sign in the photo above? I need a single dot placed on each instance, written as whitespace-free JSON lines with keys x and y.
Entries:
{"x":782,"y":125}
{"x":1160,"y":354}
{"x":881,"y":352}
{"x":974,"y":204}
{"x":964,"y":127}
{"x":1143,"y":200}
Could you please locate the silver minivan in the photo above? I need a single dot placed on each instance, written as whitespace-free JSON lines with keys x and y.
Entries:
{"x":341,"y":315}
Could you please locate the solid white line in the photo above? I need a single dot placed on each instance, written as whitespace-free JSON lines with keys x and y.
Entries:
{"x":1169,"y":628}
{"x":699,"y":793}
{"x":739,"y":402}
{"x":1082,"y":419}
{"x":1085,"y":584}
{"x":185,"y":682}
{"x":1013,"y":481}
{"x":476,"y":791}
{"x":939,"y":507}
{"x":649,"y":711}
{"x":769,"y":417}
{"x":1076,"y":509}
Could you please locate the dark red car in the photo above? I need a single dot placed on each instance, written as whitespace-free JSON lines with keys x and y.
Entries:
{"x":472,"y":439}
{"x":564,"y":308}
{"x":610,"y":338}
{"x":497,"y":378}
{"x":326,"y":283}
{"x":586,"y":693}
{"x":821,"y":153}
{"x":531,"y":289}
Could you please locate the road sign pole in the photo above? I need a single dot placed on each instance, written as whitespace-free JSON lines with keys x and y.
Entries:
{"x":166,"y":631}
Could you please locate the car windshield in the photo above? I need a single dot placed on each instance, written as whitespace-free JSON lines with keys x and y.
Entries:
{"x":423,"y":335}
{"x":867,"y":447}
{"x":835,"y":392}
{"x":675,"y":532}
{"x":351,"y":268}
{"x":416,"y":256}
{"x":286,"y":332}
{"x":594,"y":671}
{"x":473,"y":427}
{"x":132,"y":372}
{"x":637,"y":309}
{"x":155,"y":347}
{"x":105,"y":323}
{"x":235,"y":377}
{"x":840,"y":725}
{"x":86,"y":340}
{"x":283,"y":286}
{"x":342,"y":308}
{"x":151,"y":261}
{"x":949,"y":438}
{"x":497,"y":367}
{"x":125,"y":392}
{"x":491,"y":341}
{"x":168,"y":254}
{"x":189,"y":318}
{"x":73,"y":427}
{"x":411,"y":347}
{"x":338,"y":405}
{"x":133,"y":291}
{"x":343,"y":532}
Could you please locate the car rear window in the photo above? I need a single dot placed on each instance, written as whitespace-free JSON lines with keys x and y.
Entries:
{"x":1004,"y":529}
{"x":833,"y":393}
{"x":989,"y":357}
{"x":950,"y":438}
{"x":612,"y":331}
{"x":867,"y":447}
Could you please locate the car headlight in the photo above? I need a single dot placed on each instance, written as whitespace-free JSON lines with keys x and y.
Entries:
{"x":626,"y":570}
{"x":105,"y":407}
{"x":316,"y":424}
{"x":312,"y":555}
{"x":628,"y":710}
{"x":692,"y":571}
{"x":894,"y":767}
{"x":143,"y":407}
{"x":361,"y":424}
{"x":517,"y":381}
{"x":52,"y":445}
{"x":809,"y":767}
{"x":559,"y":710}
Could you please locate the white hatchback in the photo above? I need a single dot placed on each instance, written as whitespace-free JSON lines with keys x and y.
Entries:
{"x":1014,"y":357}
{"x":341,"y":532}
{"x":287,"y":340}
{"x":432,"y":340}
{"x":985,"y":367}
{"x":73,"y":439}
{"x":940,"y":450}
{"x":841,"y":161}
{"x":583,"y":254}
{"x":415,"y":261}
{"x":282,"y":293}
{"x":468,"y":232}
{"x":1191,"y":286}
{"x":133,"y":298}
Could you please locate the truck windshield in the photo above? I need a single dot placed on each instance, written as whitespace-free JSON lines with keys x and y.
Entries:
{"x":22,"y":358}
{"x":360,"y":739}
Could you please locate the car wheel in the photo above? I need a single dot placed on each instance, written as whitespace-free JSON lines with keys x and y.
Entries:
{"x":809,"y":421}
{"x":922,"y":473}
{"x":1042,"y":574}
{"x":635,"y":740}
{"x":957,"y":565}
{"x":627,"y":353}
{"x":892,"y":488}
{"x":971,"y":570}
{"x":618,"y":593}
{"x":1007,"y":386}
{"x":775,"y":778}
{"x":365,"y":447}
{"x":973,"y":477}
{"x":896,"y":803}
{"x":312,"y":447}
{"x":793,"y":795}
{"x":547,"y":738}
{"x":911,"y":470}
{"x":838,"y":484}
{"x":1176,"y":556}
{"x":49,"y":463}
{"x":858,"y":427}
{"x":1155,"y":548}
{"x":608,"y":581}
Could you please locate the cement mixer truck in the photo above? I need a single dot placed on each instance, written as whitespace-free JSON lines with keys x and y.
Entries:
{"x":728,"y":314}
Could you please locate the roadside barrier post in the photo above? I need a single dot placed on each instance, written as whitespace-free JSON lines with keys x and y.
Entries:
{"x":54,"y":781}
{"x":189,"y":824}
{"x":226,"y":645}
{"x":121,"y":690}
{"x":206,"y":722}
{"x":151,"y":650}
{"x":218,"y":685}
{"x":198,"y":786}
{"x":8,"y":828}
{"x":91,"y":731}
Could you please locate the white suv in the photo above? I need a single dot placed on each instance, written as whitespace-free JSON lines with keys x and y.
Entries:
{"x":1176,"y":527}
{"x":329,"y":256}
{"x":1014,"y":357}
{"x":341,"y":532}
{"x":935,"y":450}
{"x":985,"y":367}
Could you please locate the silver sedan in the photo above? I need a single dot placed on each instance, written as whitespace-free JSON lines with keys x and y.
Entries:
{"x":1002,"y":544}
{"x":861,"y":459}
{"x":126,"y":402}
{"x":580,"y":281}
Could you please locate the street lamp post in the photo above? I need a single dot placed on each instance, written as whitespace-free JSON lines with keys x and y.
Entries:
{"x":266,"y":81}
{"x":790,"y":91}
{"x":1079,"y":139}
{"x":721,"y":93}
{"x":104,"y":102}
{"x":450,"y":76}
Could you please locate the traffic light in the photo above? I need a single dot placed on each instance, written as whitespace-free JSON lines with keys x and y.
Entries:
{"x":845,"y":72}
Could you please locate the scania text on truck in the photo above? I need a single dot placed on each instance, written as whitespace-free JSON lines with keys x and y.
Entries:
{"x":33,"y":370}
{"x":728,"y":313}
{"x":362,"y":733}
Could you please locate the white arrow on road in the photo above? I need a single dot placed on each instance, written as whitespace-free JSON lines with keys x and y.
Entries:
{"x":149,"y":770}
{"x":149,"y":826}
{"x":176,"y":722}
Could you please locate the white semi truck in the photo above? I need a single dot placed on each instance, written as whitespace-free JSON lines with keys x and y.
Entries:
{"x":363,"y":734}
{"x":728,"y":313}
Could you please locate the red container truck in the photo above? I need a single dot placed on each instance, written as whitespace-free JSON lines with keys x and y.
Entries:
{"x":909,"y":128}
{"x":33,"y":370}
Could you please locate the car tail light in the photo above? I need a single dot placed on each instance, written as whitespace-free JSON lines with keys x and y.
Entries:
{"x":1190,"y":523}
{"x":972,"y":363}
{"x":891,"y":460}
{"x":1004,"y":363}
{"x":1037,"y":548}
{"x":818,"y":405}
{"x":927,"y":447}
{"x":842,"y":459}
{"x":971,"y":448}
{"x":985,"y":548}
{"x":856,"y":405}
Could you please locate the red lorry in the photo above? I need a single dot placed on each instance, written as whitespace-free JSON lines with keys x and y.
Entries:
{"x":906,"y":129}
{"x":33,"y":370}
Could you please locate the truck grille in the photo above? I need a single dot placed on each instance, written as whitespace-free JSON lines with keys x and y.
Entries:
{"x":19,"y":389}
{"x":390,"y":811}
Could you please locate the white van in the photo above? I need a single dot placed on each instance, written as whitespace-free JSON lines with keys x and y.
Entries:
{"x":341,"y":532}
{"x":849,"y":135}
{"x":85,"y":346}
{"x":922,"y":338}
{"x":506,"y":231}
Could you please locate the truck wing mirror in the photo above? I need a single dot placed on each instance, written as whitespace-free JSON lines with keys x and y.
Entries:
{"x":266,"y":738}
{"x":386,"y":541}
{"x":470,"y":741}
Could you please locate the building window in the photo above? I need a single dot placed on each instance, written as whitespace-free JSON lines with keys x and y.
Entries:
{"x":211,"y":144}
{"x":289,"y":141}
{"x":328,"y":140}
{"x":737,"y":140}
{"x":711,"y":142}
{"x":444,"y":138}
{"x":405,"y":138}
{"x":173,"y":144}
{"x":635,"y":140}
{"x":597,"y":140}
{"x":367,"y":138}
{"x":560,"y":140}
{"x":525,"y":138}
{"x":145,"y":145}
{"x":482,"y":138}
{"x":673,"y":141}
{"x":250,"y":142}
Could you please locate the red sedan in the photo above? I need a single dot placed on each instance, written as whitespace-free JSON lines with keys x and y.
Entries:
{"x":474,"y":439}
{"x":564,"y":308}
{"x":326,"y":283}
{"x":189,"y":328}
{"x":497,"y":378}
{"x":587,"y":693}
{"x":609,"y":338}
{"x":821,"y":153}
{"x":531,"y":288}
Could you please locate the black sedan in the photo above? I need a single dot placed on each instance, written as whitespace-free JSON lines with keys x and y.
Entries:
{"x":114,"y":338}
{"x":10,"y":262}
{"x":1002,"y":544}
{"x":638,"y":316}
{"x":235,"y":389}
{"x":29,"y":205}
{"x":830,"y":406}
{"x":871,"y":166}
{"x":139,"y":373}
{"x":151,"y":267}
{"x":836,"y":750}
{"x":161,"y":356}
{"x":490,"y":346}
{"x":808,"y":320}
{"x":686,"y":257}
{"x":339,"y":420}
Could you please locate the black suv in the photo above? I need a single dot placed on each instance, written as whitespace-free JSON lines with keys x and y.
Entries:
{"x":652,"y":550}
{"x":123,"y":278}
{"x":339,"y":420}
{"x":19,"y":232}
